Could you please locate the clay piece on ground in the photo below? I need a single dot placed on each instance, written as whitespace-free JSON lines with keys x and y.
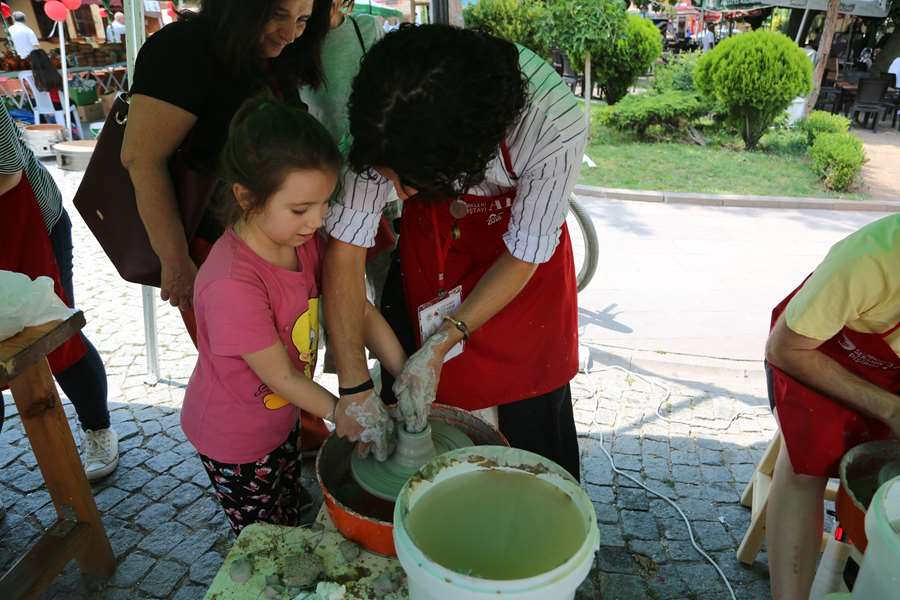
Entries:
{"x":384,"y":584}
{"x":302,"y":571}
{"x":326,"y":590}
{"x":240,"y":571}
{"x":349,"y":550}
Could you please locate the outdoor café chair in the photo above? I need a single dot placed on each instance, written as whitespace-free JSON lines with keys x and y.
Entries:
{"x":42,"y":104}
{"x":869,"y":101}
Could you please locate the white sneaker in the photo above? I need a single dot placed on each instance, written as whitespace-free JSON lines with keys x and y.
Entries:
{"x":100,"y":453}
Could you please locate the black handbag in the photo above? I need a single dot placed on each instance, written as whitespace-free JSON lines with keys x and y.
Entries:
{"x":106,"y":201}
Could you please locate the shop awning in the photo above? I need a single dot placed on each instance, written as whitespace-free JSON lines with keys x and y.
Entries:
{"x":373,"y":8}
{"x":859,"y":8}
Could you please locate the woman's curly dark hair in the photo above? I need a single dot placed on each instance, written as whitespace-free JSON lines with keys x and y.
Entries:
{"x":433,"y":103}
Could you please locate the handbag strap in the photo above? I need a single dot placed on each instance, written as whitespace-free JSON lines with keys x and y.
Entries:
{"x":362,"y":43}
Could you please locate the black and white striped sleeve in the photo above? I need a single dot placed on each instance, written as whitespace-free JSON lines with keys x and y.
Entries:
{"x":12,"y":157}
{"x":546,"y":149}
{"x":353,"y":219}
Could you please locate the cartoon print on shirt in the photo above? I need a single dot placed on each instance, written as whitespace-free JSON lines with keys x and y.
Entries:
{"x":305,"y":336}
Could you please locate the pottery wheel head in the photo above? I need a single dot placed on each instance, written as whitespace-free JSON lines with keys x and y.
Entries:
{"x":384,"y":479}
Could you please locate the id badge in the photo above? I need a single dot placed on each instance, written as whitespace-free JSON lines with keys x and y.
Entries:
{"x":431,"y":317}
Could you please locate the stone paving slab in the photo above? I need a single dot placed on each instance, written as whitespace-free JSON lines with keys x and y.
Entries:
{"x":170,"y":535}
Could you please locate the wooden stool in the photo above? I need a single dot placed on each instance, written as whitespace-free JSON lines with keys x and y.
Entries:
{"x":78,"y":532}
{"x":756,"y":498}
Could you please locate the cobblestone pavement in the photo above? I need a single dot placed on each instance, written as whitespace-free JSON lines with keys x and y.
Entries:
{"x":170,"y":536}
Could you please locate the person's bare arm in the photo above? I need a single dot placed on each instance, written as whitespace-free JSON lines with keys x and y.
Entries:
{"x":796,"y":355}
{"x":493,"y":292}
{"x":273,"y":366}
{"x":343,"y":278}
{"x":9,"y":181}
{"x":416,"y":388}
{"x":154,"y":132}
{"x":383,"y":342}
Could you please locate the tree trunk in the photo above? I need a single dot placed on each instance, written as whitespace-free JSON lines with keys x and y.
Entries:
{"x":831,"y":17}
{"x":890,"y":50}
{"x":588,"y":88}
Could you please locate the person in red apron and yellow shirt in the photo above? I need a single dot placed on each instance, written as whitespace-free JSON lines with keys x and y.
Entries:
{"x":834,"y":375}
{"x":483,"y":141}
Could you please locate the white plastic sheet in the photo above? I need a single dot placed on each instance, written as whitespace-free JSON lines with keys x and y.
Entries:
{"x":26,"y":303}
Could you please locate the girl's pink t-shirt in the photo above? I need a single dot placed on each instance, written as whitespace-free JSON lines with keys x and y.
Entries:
{"x":244,"y":304}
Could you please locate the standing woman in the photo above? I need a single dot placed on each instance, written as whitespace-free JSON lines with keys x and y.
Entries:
{"x":37,"y":241}
{"x":189,"y":80}
{"x":482,"y":140}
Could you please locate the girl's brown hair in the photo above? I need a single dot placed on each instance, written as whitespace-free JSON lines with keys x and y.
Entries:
{"x":267,"y":140}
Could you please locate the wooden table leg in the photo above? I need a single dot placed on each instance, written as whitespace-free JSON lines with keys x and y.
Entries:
{"x":42,"y":414}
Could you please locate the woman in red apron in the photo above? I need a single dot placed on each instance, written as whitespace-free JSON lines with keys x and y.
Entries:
{"x":482,"y":142}
{"x":840,"y":392}
{"x":37,"y":241}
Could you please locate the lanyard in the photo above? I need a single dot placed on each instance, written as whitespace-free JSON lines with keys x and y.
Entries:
{"x":442,"y":251}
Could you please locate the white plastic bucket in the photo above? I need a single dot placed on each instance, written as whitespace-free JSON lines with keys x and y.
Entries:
{"x":430,"y":581}
{"x":879,"y":578}
{"x":41,"y":138}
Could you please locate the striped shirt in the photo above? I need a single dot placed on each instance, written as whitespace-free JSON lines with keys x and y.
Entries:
{"x":546,"y":147}
{"x":15,"y":156}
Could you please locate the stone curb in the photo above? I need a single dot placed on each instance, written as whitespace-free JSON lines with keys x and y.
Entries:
{"x":678,"y":366}
{"x":737,"y":201}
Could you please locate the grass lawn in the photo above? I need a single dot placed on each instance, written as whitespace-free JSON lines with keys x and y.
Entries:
{"x":623,"y":162}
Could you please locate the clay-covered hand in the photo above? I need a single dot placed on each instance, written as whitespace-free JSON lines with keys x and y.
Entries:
{"x":374,"y":428}
{"x":416,"y":387}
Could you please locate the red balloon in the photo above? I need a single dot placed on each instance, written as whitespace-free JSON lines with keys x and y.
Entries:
{"x":5,"y":9}
{"x":56,"y":10}
{"x":71,"y":4}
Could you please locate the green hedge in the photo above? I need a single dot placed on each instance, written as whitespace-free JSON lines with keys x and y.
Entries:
{"x":515,"y":20}
{"x":616,"y":68}
{"x":837,"y":158}
{"x":754,"y":77}
{"x":677,"y":73}
{"x":819,"y":122}
{"x":654,"y":113}
{"x":788,"y":142}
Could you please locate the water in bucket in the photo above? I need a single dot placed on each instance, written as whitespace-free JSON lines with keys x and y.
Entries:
{"x":498,"y":525}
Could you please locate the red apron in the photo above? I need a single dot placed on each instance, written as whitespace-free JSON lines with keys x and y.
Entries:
{"x":527,"y":349}
{"x":27,"y":249}
{"x":817,"y":430}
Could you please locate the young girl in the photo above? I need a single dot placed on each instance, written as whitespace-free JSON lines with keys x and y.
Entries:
{"x":257,"y":298}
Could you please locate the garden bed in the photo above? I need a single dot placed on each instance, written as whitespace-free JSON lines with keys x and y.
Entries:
{"x":717,"y":168}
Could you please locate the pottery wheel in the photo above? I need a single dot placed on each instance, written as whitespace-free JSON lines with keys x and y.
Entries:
{"x":384,"y":479}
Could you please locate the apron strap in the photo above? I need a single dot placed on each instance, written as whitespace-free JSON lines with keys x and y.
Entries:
{"x":507,"y":161}
{"x":890,"y":331}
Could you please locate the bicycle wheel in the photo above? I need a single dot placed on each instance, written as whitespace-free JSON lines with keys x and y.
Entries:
{"x":585,"y":245}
